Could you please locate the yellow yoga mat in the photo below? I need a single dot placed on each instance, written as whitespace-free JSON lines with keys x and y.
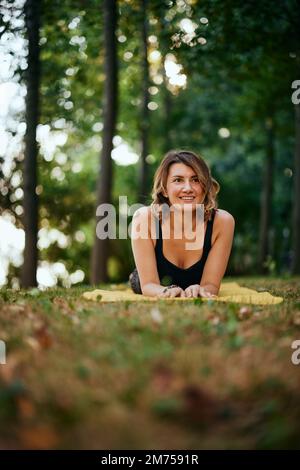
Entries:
{"x":229,"y":292}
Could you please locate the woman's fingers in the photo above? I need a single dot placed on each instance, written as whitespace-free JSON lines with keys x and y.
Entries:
{"x":195,"y":290}
{"x":192,"y":291}
{"x":175,"y":292}
{"x":170,"y":293}
{"x":163,"y":295}
{"x":205,"y":293}
{"x":189,"y":292}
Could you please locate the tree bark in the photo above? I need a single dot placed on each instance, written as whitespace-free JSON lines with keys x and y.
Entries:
{"x":30,"y":204}
{"x":266,"y":199}
{"x":296,"y":199}
{"x":167,"y":101}
{"x":144,"y":127}
{"x":104,"y":186}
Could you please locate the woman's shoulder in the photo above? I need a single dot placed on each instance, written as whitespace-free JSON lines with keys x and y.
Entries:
{"x":224,"y":220}
{"x":144,"y":221}
{"x":145,"y":217}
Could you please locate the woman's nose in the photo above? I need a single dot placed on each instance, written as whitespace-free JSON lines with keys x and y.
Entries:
{"x":187,"y":186}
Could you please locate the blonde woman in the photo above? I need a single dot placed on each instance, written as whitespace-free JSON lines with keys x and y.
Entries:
{"x":176,"y":256}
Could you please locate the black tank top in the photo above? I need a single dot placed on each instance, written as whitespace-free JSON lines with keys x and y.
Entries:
{"x":169,"y":273}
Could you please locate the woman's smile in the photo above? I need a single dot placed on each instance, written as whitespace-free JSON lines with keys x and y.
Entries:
{"x":187,"y":198}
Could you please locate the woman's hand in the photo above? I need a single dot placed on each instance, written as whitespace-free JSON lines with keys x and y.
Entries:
{"x":172,"y":292}
{"x":197,"y":291}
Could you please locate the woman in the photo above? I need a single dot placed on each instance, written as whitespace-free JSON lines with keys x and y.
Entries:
{"x":172,"y":252}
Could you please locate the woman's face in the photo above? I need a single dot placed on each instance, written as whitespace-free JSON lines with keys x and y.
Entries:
{"x":183,"y":186}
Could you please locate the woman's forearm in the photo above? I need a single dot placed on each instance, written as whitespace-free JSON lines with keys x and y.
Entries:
{"x":152,"y":290}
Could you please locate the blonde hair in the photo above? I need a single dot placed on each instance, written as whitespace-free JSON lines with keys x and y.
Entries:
{"x":210,"y":186}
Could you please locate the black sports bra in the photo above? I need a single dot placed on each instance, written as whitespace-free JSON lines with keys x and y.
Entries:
{"x":169,"y":273}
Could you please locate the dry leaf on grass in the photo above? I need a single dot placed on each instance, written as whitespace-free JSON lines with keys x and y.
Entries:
{"x":25,"y":407}
{"x":38,"y":437}
{"x":43,"y":336}
{"x":8,"y":372}
{"x":244,"y":312}
{"x":63,"y":305}
{"x":199,"y":405}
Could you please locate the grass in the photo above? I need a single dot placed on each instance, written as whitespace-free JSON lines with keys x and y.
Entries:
{"x":196,"y":375}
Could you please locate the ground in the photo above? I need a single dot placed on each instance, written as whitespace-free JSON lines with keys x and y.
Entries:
{"x":194,"y":375}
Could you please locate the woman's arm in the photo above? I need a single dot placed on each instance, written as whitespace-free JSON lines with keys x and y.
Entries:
{"x":161,"y":291}
{"x":143,"y":252}
{"x":144,"y":256}
{"x":152,"y":290}
{"x":218,"y":257}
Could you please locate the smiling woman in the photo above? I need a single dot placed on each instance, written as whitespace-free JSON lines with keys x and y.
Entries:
{"x":181,"y":257}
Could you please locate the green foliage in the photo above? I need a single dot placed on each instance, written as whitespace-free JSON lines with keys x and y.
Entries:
{"x":235,"y":80}
{"x":74,"y":364}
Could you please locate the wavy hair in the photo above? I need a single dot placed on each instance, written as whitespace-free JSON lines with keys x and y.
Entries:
{"x":210,"y":186}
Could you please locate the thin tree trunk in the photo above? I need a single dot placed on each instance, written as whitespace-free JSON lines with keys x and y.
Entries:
{"x":104,"y":194}
{"x":30,"y":205}
{"x":143,"y":176}
{"x":167,"y":95}
{"x":296,"y":199}
{"x":167,"y":101}
{"x":266,"y":199}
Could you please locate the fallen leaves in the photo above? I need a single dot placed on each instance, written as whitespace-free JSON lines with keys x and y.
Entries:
{"x":15,"y":309}
{"x":38,"y":437}
{"x":43,"y":336}
{"x":122,"y":360}
{"x":296,"y":318}
{"x":156,"y":315}
{"x":8,"y":371}
{"x":67,"y":308}
{"x":244,"y":313}
{"x":63,"y":305}
{"x":200,"y":406}
{"x":163,"y":380}
{"x":26,"y":407}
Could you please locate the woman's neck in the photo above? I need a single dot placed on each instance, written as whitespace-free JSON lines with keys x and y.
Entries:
{"x":179,"y":224}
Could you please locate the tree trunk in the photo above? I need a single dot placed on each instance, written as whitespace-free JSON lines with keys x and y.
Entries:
{"x":164,"y":34}
{"x":296,"y":198}
{"x":104,"y":186}
{"x":266,"y":199}
{"x":30,"y":205}
{"x":143,"y":176}
{"x":167,"y":101}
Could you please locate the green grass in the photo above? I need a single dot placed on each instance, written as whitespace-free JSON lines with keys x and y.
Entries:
{"x":81,"y":374}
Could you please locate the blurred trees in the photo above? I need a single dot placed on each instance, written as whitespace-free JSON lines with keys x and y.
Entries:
{"x":144,"y":120}
{"x":100,"y":251}
{"x":217,"y":80}
{"x":30,"y":203}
